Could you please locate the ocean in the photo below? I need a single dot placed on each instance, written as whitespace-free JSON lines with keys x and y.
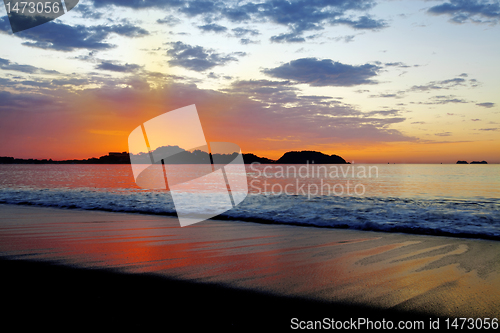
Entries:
{"x":437,"y":199}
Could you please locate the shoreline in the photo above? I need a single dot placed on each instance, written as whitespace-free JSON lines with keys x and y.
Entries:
{"x":309,"y":272}
{"x":400,"y":230}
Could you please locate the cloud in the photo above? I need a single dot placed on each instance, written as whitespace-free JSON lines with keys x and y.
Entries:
{"x":362,"y":23}
{"x":266,"y":91}
{"x":199,"y":7}
{"x":212,"y":75}
{"x":242,"y":32}
{"x":5,"y":24}
{"x":399,"y":94}
{"x":7,"y":65}
{"x":393,"y":112}
{"x":297,"y":30}
{"x":486,"y":105}
{"x":345,"y":39}
{"x":397,"y":64}
{"x":137,"y":4}
{"x":198,"y":58}
{"x":127,"y":68}
{"x":249,"y":113}
{"x":70,"y":82}
{"x":488,"y":129}
{"x":127,"y":30}
{"x":39,"y":83}
{"x":435,"y":100}
{"x":297,"y":15}
{"x":437,"y":85}
{"x":446,"y":100}
{"x":246,"y":41}
{"x":169,"y":20}
{"x":6,"y":82}
{"x":213,"y":28}
{"x":305,"y":15}
{"x":88,"y":11}
{"x":443,"y":134}
{"x":282,"y":103}
{"x":27,"y":102}
{"x":288,"y":38}
{"x":319,"y":73}
{"x":447,"y":84}
{"x":462,"y":11}
{"x":318,"y":119}
{"x":63,"y":37}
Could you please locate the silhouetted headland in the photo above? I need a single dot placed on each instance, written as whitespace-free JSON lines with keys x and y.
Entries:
{"x":111,"y":158}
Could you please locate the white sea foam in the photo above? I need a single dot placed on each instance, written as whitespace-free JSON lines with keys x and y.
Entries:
{"x":446,"y":216}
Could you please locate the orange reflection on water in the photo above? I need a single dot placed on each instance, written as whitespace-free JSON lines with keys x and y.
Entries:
{"x":385,"y":270}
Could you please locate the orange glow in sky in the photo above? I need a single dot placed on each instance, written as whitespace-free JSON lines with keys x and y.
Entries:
{"x":373,"y":82}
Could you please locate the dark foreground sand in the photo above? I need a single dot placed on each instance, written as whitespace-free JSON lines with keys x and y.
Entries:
{"x":72,"y":268}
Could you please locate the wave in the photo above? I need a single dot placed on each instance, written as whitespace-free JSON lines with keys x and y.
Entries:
{"x":478,"y":218}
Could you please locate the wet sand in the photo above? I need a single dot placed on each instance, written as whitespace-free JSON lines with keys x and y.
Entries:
{"x":72,"y":267}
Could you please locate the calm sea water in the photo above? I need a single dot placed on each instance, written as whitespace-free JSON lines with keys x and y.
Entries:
{"x":453,"y":200}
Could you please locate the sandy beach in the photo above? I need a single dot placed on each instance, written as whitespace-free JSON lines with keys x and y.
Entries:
{"x":64,"y":267}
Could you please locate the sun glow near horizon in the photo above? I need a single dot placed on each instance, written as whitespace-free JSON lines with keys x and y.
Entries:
{"x":382,"y":82}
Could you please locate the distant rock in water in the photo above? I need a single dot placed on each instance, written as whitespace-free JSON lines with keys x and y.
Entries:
{"x":306,"y":156}
{"x":462,"y":162}
{"x":476,"y":162}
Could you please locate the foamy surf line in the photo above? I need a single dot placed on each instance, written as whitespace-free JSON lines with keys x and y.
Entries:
{"x":442,"y":217}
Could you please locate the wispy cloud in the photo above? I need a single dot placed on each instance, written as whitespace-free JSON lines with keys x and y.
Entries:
{"x":438,"y":85}
{"x":241,"y":32}
{"x":127,"y":68}
{"x":443,"y":99}
{"x":486,"y":104}
{"x":8,"y":65}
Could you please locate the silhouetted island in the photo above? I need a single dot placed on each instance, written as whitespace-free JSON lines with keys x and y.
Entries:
{"x":307,"y":156}
{"x":473,"y":162}
{"x":193,"y":157}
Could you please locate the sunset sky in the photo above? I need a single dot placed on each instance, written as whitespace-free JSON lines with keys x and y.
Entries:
{"x":372,"y":81}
